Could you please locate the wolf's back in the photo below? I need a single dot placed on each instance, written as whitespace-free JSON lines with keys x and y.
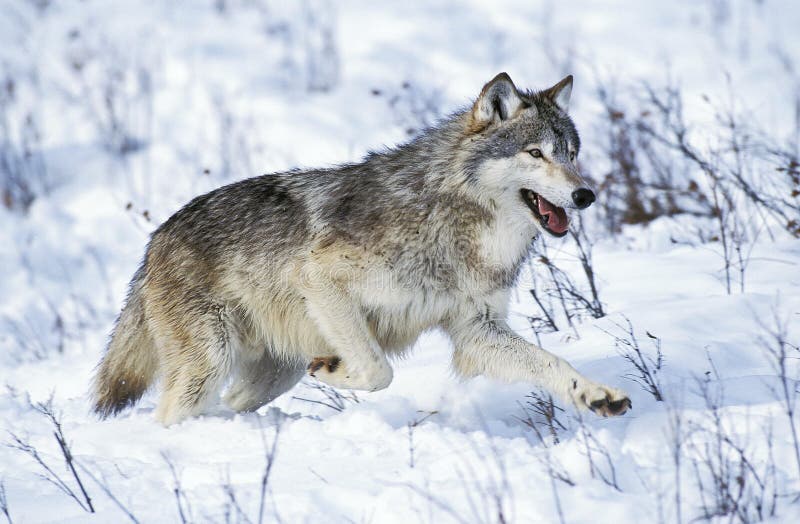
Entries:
{"x":131,"y":362}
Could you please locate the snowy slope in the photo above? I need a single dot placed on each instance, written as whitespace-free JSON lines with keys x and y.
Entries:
{"x":203,"y":95}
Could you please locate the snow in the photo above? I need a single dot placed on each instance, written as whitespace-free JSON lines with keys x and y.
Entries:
{"x":220,"y":96}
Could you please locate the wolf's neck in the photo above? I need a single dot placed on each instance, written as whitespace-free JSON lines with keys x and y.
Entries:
{"x":433,"y":154}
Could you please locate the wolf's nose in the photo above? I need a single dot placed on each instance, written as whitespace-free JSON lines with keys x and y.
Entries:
{"x":583,"y":197}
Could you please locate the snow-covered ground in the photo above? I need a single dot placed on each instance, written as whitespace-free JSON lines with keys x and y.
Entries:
{"x":129,"y":109}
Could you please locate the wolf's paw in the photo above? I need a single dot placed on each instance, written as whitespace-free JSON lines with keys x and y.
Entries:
{"x":330,"y":364}
{"x":335,"y":372}
{"x":602,"y":400}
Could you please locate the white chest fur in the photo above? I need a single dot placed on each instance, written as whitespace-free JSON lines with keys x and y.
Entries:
{"x":506,"y":241}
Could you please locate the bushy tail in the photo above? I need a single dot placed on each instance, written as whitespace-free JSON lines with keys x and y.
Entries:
{"x":131,"y":362}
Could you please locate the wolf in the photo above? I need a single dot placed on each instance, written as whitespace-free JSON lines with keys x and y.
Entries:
{"x":332,"y":272}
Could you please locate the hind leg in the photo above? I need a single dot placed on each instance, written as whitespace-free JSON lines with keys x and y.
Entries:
{"x":196,"y":360}
{"x":262,"y":380}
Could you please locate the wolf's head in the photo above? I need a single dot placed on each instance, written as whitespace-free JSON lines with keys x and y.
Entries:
{"x":523,"y":150}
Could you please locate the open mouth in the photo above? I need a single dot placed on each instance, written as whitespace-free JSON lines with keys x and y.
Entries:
{"x":552,"y":218}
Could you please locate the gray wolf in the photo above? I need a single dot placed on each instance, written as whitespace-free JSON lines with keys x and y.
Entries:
{"x":332,"y":271}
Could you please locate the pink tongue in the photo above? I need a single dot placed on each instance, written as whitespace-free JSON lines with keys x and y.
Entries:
{"x":556,"y":216}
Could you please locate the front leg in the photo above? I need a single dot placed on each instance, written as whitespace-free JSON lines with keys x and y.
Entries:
{"x":488,"y":347}
{"x":358,"y":362}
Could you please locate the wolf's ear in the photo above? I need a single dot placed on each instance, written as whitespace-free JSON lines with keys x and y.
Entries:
{"x":499,"y":100}
{"x":560,"y":93}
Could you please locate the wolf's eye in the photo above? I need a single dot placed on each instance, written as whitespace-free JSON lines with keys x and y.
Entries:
{"x":572,"y":156}
{"x":536,"y":153}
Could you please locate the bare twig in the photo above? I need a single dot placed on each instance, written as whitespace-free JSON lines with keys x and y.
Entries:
{"x":783,"y":357}
{"x":4,"y":502}
{"x":676,"y":448}
{"x":592,"y":447}
{"x":177,"y":490}
{"x":333,"y":398}
{"x":542,"y":405}
{"x":103,"y":484}
{"x":71,"y":465}
{"x":730,"y":483}
{"x":584,"y":245}
{"x":557,"y":289}
{"x":46,"y":409}
{"x":230,"y":493}
{"x":270,"y":453}
{"x":647,"y":368}
{"x":436,"y":501}
{"x":411,"y":426}
{"x":486,"y":491}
